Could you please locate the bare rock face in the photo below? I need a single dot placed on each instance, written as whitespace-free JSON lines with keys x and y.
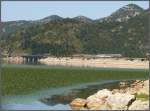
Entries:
{"x":78,"y":104}
{"x":139,"y":105}
{"x":120,"y":101}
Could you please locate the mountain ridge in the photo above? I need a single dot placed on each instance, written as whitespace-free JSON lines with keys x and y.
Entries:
{"x":62,"y":37}
{"x":123,"y":14}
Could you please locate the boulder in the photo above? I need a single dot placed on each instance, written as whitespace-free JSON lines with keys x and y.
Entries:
{"x":120,"y":101}
{"x":97,"y":100}
{"x":139,"y":105}
{"x":95,"y":105}
{"x":93,"y":102}
{"x":143,"y":91}
{"x":122,"y":91}
{"x":105,"y":106}
{"x":146,"y":83}
{"x":99,"y":96}
{"x":145,"y":88}
{"x":123,"y":84}
{"x":117,"y":99}
{"x":115,"y":91}
{"x":103,"y":93}
{"x":131,"y":90}
{"x":139,"y":87}
{"x":78,"y":104}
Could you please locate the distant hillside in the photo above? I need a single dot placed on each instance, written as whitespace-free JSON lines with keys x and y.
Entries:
{"x":83,"y":19}
{"x":123,"y":14}
{"x":66,"y":36}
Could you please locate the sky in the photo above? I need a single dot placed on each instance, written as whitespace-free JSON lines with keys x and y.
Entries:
{"x":34,"y":10}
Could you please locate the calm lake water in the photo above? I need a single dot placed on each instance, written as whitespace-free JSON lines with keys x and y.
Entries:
{"x":55,"y":98}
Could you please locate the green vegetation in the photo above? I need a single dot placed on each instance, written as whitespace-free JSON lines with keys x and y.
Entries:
{"x":22,"y":80}
{"x":143,"y":97}
{"x":69,"y":36}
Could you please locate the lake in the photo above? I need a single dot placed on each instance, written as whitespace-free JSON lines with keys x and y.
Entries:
{"x":54,"y":87}
{"x":56,"y":98}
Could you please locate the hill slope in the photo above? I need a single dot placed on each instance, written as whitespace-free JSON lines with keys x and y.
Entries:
{"x":66,"y":36}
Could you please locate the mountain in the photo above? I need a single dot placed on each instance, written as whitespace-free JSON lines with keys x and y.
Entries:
{"x":50,"y":18}
{"x":66,"y":36}
{"x":123,"y":14}
{"x":82,"y":19}
{"x":13,"y":26}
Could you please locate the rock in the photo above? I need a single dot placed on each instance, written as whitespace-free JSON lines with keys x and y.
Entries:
{"x":97,"y":100}
{"x":103,"y":93}
{"x":139,"y":87}
{"x":115,"y":91}
{"x":131,"y":90}
{"x":139,"y":105}
{"x":93,"y":98}
{"x":117,"y":99}
{"x":82,"y":109}
{"x":105,"y":106}
{"x":78,"y":104}
{"x":98,"y":106}
{"x":93,"y":102}
{"x":100,"y":95}
{"x":95,"y":105}
{"x":123,"y":84}
{"x":143,"y":91}
{"x":137,"y":81}
{"x":120,"y":101}
{"x":145,"y":88}
{"x":146,"y":83}
{"x":122,"y":91}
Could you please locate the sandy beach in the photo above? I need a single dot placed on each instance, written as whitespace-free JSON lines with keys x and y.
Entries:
{"x":98,"y":62}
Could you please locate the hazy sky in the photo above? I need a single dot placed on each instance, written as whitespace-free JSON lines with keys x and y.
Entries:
{"x":33,"y":10}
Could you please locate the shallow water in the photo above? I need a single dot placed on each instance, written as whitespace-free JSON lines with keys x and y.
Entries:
{"x":56,"y":98}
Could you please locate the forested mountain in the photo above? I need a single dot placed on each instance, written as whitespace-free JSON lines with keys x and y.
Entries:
{"x":66,"y":36}
{"x":123,"y":14}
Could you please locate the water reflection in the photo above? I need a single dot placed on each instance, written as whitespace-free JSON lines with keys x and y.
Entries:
{"x":79,"y":93}
{"x":36,"y":105}
{"x":58,"y":98}
{"x":19,"y":60}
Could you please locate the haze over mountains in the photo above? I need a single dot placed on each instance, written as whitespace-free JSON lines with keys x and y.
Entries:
{"x":125,"y":31}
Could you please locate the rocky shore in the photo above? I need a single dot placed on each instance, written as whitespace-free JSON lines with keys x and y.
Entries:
{"x":133,"y":96}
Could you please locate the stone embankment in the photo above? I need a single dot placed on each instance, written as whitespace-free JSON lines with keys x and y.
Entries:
{"x":127,"y":97}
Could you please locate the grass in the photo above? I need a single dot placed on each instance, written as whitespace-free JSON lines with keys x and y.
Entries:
{"x":24,"y":79}
{"x":143,"y":97}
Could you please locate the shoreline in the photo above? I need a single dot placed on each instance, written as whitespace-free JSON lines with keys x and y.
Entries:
{"x":130,"y":63}
{"x":97,"y":62}
{"x":59,"y":90}
{"x":134,"y":96}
